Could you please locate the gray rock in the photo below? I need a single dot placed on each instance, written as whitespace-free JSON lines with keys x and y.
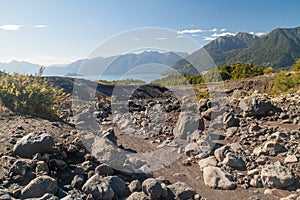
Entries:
{"x":135,"y":186}
{"x":188,"y":122}
{"x":210,"y":161}
{"x":277,"y":176}
{"x":138,"y":196}
{"x":152,"y":188}
{"x":107,"y":152}
{"x":181,"y":191}
{"x":42,"y":167}
{"x":216,"y":178}
{"x":230,"y":121}
{"x":220,"y":153}
{"x":233,"y":161}
{"x":273,"y":148}
{"x":191,"y":149}
{"x":117,"y":184}
{"x":29,"y":145}
{"x":104,"y":170}
{"x":255,"y":107}
{"x":19,"y":167}
{"x":290,"y":159}
{"x":99,"y":188}
{"x":58,"y":164}
{"x":77,"y":182}
{"x":110,"y":135}
{"x":39,"y":187}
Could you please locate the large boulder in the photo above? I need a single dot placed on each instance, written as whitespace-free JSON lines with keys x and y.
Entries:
{"x":188,"y":122}
{"x":181,"y":191}
{"x":39,"y":187}
{"x":277,"y":176}
{"x":255,"y":107}
{"x":216,"y":178}
{"x":99,"y":188}
{"x":29,"y":145}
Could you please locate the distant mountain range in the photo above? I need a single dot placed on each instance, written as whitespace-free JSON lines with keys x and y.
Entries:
{"x":96,"y":66}
{"x":279,"y":49}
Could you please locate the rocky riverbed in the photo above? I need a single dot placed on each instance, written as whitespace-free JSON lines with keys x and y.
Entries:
{"x":244,"y":145}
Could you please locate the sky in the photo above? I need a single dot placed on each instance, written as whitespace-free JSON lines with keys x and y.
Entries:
{"x":62,"y":31}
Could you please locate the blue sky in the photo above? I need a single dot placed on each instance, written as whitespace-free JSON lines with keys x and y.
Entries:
{"x":61,"y":31}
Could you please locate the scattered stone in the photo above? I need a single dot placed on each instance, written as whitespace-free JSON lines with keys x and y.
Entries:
{"x":42,"y":167}
{"x":39,"y":186}
{"x":290,"y":159}
{"x":188,"y":122}
{"x":274,"y":148}
{"x":19,"y":167}
{"x":255,"y":107}
{"x":233,"y":161}
{"x":99,"y":188}
{"x":138,"y":196}
{"x":29,"y":145}
{"x":152,"y":188}
{"x":104,"y":170}
{"x":230,"y":121}
{"x":135,"y":186}
{"x":77,"y":182}
{"x":181,"y":191}
{"x":277,"y":176}
{"x":216,"y":178}
{"x":117,"y":184}
{"x":210,"y":161}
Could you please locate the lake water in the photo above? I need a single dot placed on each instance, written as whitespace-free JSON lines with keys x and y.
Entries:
{"x":115,"y":77}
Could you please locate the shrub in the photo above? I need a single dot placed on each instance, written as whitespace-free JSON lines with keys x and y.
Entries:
{"x":296,"y":66}
{"x":30,"y":94}
{"x":285,"y":81}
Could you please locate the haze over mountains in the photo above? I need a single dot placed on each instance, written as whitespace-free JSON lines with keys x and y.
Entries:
{"x":114,"y":65}
{"x":279,"y":49}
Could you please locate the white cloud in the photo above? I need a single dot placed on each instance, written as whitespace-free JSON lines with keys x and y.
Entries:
{"x":223,"y":29}
{"x":161,"y":38}
{"x":208,"y":38}
{"x":10,"y":27}
{"x":223,"y":34}
{"x":191,"y":31}
{"x":136,"y":39}
{"x":180,"y":36}
{"x":214,"y":30}
{"x":40,"y":26}
{"x":259,"y":34}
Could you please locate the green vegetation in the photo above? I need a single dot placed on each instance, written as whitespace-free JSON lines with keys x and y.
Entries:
{"x":285,"y":82}
{"x":226,"y":72}
{"x":30,"y":94}
{"x":268,"y":70}
{"x":296,"y":66}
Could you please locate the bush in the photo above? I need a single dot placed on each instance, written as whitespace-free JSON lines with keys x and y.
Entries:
{"x":285,"y":81}
{"x":296,"y":66}
{"x":30,"y":94}
{"x":268,"y":70}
